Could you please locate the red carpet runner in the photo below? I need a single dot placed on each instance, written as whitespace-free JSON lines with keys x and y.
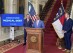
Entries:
{"x":50,"y":36}
{"x":18,"y":49}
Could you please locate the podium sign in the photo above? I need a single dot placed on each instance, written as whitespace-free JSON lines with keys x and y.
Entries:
{"x":34,"y":40}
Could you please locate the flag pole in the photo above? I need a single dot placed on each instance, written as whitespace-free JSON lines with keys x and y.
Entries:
{"x":62,"y":4}
{"x":61,"y":1}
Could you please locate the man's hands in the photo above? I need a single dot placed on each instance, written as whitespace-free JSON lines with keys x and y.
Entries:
{"x":64,"y":31}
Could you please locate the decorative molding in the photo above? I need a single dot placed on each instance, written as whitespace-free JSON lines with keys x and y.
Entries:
{"x":32,"y":1}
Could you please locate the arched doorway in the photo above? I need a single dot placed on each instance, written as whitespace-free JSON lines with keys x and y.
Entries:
{"x":1,"y":6}
{"x":21,"y":6}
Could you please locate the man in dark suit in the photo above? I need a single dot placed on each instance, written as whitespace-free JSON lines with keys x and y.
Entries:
{"x":67,"y":30}
{"x":27,"y":23}
{"x":38,"y":23}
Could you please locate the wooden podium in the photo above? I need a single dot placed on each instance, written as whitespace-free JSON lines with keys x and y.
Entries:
{"x":34,"y":40}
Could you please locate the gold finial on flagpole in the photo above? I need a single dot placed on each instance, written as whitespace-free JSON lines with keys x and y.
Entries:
{"x":61,"y":1}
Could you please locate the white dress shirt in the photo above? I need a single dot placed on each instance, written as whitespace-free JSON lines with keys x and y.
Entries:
{"x":37,"y":22}
{"x":27,"y":20}
{"x":67,"y":19}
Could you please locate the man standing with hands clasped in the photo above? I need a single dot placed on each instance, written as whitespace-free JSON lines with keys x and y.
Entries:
{"x":67,"y":30}
{"x":27,"y":23}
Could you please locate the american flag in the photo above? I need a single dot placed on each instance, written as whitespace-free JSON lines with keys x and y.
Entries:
{"x":33,"y":18}
{"x":32,"y":11}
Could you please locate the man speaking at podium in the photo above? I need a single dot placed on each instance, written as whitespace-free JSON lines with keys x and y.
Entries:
{"x":38,"y":23}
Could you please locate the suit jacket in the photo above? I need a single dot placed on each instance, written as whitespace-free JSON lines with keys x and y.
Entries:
{"x":67,"y":36}
{"x":27,"y":24}
{"x":68,"y":25}
{"x":40,"y":24}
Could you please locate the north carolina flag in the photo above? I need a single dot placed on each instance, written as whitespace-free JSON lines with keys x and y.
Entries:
{"x":59,"y":21}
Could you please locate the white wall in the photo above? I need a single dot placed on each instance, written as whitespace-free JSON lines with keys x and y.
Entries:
{"x":71,"y":16}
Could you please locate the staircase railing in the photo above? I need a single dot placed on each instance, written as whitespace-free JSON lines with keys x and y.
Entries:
{"x":46,"y":13}
{"x":46,"y":9}
{"x":49,"y":12}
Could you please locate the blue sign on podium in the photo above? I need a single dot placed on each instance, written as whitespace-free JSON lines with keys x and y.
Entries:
{"x":12,"y":20}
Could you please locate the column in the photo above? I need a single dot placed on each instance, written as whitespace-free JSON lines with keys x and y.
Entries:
{"x":26,"y":8}
{"x":36,"y":5}
{"x":71,"y":14}
{"x":11,"y":7}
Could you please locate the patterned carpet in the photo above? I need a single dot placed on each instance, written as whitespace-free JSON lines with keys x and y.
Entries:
{"x":11,"y":45}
